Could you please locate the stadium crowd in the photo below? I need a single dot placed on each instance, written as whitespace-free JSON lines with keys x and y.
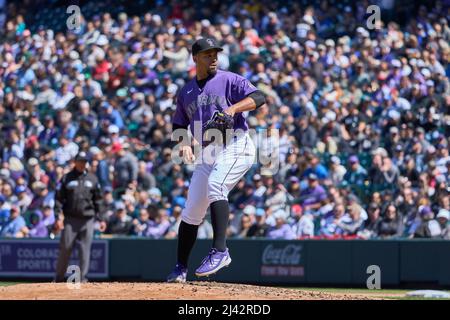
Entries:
{"x":362,"y":117}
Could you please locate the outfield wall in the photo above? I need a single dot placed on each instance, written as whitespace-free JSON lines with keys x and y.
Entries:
{"x":318,"y":262}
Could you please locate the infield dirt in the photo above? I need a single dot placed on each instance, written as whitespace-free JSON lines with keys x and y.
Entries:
{"x":170,"y":291}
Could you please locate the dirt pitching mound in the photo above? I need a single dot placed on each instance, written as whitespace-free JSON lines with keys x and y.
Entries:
{"x":167,"y":291}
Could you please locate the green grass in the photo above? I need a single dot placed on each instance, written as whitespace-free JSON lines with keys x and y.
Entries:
{"x":378,"y":293}
{"x":356,"y":290}
{"x":413,"y":298}
{"x":5,"y":284}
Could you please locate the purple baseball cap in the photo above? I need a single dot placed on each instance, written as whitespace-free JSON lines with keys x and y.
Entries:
{"x":353,"y":159}
{"x":425,"y":210}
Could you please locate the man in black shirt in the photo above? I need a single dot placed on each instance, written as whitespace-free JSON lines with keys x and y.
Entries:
{"x":78,"y":198}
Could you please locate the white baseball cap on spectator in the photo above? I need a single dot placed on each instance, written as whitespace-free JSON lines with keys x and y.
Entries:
{"x":156,"y":18}
{"x":380,"y":151}
{"x":15,"y":164}
{"x":128,"y":198}
{"x":257,"y":177}
{"x":396,"y":63}
{"x":147,"y":114}
{"x":335,"y":160}
{"x":33,"y":162}
{"x":84,"y":104}
{"x":102,"y":40}
{"x":295,"y":45}
{"x":253,"y":50}
{"x":443,"y":213}
{"x":140,"y":96}
{"x":420,"y":63}
{"x":74,"y":55}
{"x":4,"y":173}
{"x":360,"y":30}
{"x":94,"y":150}
{"x":99,"y":55}
{"x":431,"y":33}
{"x":330,"y":116}
{"x":252,"y":121}
{"x":363,"y":32}
{"x":406,"y":70}
{"x":205,"y":23}
{"x":122,"y":16}
{"x":310,"y":44}
{"x":172,"y":88}
{"x":249,"y":210}
{"x":321,"y":47}
{"x":425,"y":72}
{"x":308,"y":19}
{"x":113,"y":129}
{"x":431,"y":150}
{"x":345,"y":40}
{"x":329,"y":43}
{"x":154,"y":192}
{"x":394,"y":114}
{"x":441,"y":178}
{"x":393,"y":130}
{"x":280,"y":214}
{"x":38,"y":185}
{"x":302,"y":29}
{"x":119,"y":205}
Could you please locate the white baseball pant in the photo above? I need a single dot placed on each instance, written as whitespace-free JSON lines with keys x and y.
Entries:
{"x":215,"y":176}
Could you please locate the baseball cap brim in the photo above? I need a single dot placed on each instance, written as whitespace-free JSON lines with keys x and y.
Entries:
{"x":210,"y":48}
{"x":81,"y":158}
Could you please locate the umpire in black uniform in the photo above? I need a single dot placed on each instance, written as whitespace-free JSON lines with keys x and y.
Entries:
{"x":79,"y":198}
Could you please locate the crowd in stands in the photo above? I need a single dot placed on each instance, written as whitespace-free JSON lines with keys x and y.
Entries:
{"x":362,"y":116}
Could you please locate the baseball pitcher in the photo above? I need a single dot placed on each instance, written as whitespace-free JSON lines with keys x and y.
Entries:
{"x":212,"y":103}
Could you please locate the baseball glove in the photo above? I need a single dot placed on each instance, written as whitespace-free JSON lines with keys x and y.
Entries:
{"x":220,"y":121}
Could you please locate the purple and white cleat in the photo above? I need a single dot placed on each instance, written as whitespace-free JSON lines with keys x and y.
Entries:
{"x":213,"y":262}
{"x":178,"y":274}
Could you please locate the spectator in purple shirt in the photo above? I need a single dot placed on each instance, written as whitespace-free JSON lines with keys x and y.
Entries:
{"x":37,"y":229}
{"x":41,"y":223}
{"x":281,"y":230}
{"x":311,"y":198}
{"x":158,"y":223}
{"x":330,"y":223}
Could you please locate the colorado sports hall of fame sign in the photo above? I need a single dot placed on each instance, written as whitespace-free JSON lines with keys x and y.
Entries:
{"x":37,"y":258}
{"x":283,"y":260}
